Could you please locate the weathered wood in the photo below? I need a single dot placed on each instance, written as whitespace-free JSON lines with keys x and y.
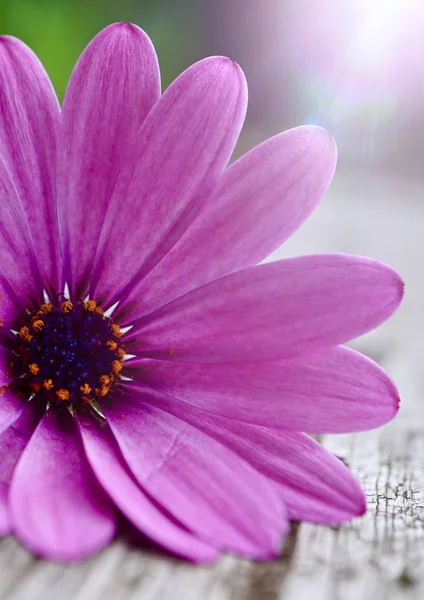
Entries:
{"x":380,"y":556}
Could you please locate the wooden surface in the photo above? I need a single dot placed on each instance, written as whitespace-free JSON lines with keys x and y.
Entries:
{"x":380,"y":556}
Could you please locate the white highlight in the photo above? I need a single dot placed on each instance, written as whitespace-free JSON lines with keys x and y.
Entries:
{"x":111,"y":309}
{"x":126,"y":329}
{"x":67,"y":292}
{"x":380,"y":22}
{"x":96,"y":408}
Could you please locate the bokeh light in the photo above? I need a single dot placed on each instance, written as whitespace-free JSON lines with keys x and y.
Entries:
{"x":359,"y":66}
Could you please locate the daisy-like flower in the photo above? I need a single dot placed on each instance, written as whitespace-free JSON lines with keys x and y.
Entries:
{"x":148,"y":366}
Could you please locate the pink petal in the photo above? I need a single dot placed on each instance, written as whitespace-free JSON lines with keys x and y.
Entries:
{"x":200,"y":482}
{"x":335,"y":391}
{"x":113,"y":474}
{"x":29,"y":113}
{"x":312,"y":483}
{"x":10,"y":405}
{"x":57,"y":508}
{"x":260,"y":201}
{"x":274,"y":311}
{"x":179,"y":153}
{"x":114,"y":85}
{"x":12,"y":444}
{"x":18,"y":260}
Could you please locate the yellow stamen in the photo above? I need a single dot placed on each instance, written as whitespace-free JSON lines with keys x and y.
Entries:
{"x":112,"y":345}
{"x":48,"y":384}
{"x":116,"y":367}
{"x":63,"y":395}
{"x":99,"y":310}
{"x":85,"y":389}
{"x":66,"y":306}
{"x":34,"y":368}
{"x":102,"y":391}
{"x":104,"y":380}
{"x":90,"y":305}
{"x":45,"y":309}
{"x":24,"y":334}
{"x":38,"y":325}
{"x":116,"y":330}
{"x":120,"y":353}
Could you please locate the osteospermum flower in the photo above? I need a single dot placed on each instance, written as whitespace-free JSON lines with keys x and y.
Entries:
{"x":147,"y":365}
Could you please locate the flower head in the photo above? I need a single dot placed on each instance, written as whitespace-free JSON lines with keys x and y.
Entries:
{"x":147,"y":365}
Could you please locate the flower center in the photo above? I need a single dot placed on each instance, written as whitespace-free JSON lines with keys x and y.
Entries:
{"x":68,"y":353}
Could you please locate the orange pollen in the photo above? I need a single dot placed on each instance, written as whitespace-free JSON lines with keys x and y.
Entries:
{"x":38,"y":325}
{"x":63,"y":395}
{"x":34,"y":368}
{"x":66,"y":306}
{"x":104,"y":379}
{"x":99,"y":311}
{"x":116,"y":367}
{"x":85,"y":389}
{"x":86,"y":399}
{"x":90,"y":305}
{"x":45,"y":309}
{"x":116,"y":330}
{"x":102,"y":391}
{"x":24,"y":334}
{"x":48,"y":384}
{"x":36,"y":387}
{"x":120,"y":353}
{"x":111,"y":345}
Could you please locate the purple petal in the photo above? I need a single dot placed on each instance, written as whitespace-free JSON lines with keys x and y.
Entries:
{"x":10,"y":405}
{"x":260,"y":201}
{"x":29,"y":113}
{"x":274,"y":311}
{"x":336,"y":391}
{"x":180,"y":151}
{"x":200,"y":482}
{"x":114,"y":85}
{"x":313,"y":484}
{"x":113,"y":474}
{"x":19,"y":264}
{"x":57,"y":508}
{"x":12,"y":444}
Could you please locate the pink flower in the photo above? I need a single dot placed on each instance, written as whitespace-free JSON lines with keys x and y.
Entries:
{"x":183,"y":410}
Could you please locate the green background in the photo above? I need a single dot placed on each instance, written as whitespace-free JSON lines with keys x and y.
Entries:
{"x":58,"y":30}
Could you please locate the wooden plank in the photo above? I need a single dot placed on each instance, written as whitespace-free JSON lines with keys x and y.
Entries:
{"x":123,"y":572}
{"x":382,"y":555}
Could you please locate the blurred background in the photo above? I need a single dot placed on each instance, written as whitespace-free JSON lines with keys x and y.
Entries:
{"x":353,"y":66}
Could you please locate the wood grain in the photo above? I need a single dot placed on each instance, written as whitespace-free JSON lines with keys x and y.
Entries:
{"x":380,"y":556}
